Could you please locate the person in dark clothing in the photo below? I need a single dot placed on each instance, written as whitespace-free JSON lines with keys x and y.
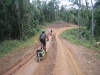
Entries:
{"x":43,"y":38}
{"x":51,"y":32}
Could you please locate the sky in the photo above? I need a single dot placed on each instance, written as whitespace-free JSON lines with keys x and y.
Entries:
{"x":68,"y":4}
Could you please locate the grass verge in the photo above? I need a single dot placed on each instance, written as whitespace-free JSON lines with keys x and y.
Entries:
{"x":10,"y":46}
{"x":71,"y":35}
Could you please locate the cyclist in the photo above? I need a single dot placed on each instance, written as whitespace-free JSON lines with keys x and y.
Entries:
{"x":43,"y":37}
{"x":51,"y":31}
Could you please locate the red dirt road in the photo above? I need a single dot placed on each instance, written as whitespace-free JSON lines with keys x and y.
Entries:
{"x":59,"y":60}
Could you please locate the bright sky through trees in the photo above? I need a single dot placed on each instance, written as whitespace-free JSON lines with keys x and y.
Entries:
{"x":68,"y":4}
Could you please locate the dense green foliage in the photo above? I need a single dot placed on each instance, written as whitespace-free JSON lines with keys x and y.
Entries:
{"x":11,"y":46}
{"x":97,"y":19}
{"x":69,"y":15}
{"x":71,"y":35}
{"x":22,"y":19}
{"x":84,"y":16}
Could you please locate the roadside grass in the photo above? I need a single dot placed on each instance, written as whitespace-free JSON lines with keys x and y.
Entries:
{"x":10,"y":46}
{"x":71,"y":35}
{"x":98,"y":56}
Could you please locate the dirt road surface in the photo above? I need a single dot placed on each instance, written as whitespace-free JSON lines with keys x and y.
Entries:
{"x":62,"y":58}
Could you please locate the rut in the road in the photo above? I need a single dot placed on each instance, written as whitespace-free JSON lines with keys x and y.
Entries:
{"x":48,"y":70}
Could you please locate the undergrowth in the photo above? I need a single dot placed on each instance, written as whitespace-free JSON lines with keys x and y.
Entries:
{"x":72,"y":36}
{"x":9,"y":46}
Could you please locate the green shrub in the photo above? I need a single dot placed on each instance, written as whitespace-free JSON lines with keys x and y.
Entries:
{"x":85,"y":40}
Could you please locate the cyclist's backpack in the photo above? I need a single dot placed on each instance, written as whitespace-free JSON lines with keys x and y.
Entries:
{"x":42,"y":36}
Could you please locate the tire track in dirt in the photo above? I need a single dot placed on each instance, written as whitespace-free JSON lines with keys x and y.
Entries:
{"x":83,"y":55}
{"x":21,"y":62}
{"x":65,"y":63}
{"x":47,"y":65}
{"x":52,"y":58}
{"x":59,"y":60}
{"x":74,"y":66}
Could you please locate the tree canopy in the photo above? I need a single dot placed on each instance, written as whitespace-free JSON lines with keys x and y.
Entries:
{"x":21,"y":19}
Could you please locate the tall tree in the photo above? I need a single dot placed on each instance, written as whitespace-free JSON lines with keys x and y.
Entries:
{"x":97,"y":19}
{"x":92,"y":18}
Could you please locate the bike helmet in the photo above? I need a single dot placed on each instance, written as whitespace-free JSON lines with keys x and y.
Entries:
{"x":43,"y":31}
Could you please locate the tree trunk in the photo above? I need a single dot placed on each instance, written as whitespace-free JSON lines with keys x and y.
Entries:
{"x":92,"y":18}
{"x":22,"y":29}
{"x":82,"y":15}
{"x":79,"y":18}
{"x":86,"y":4}
{"x":18,"y":14}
